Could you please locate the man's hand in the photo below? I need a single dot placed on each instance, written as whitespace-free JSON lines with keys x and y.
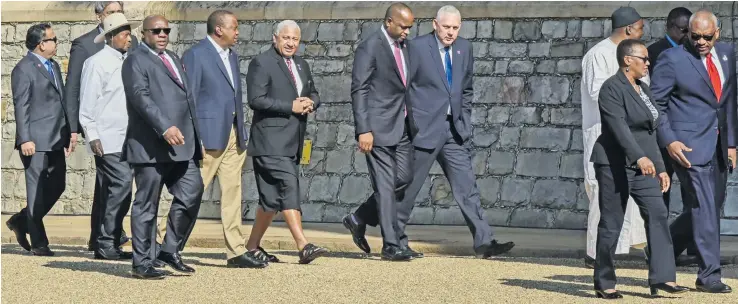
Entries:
{"x":174,"y":137}
{"x":28,"y":148}
{"x":646,"y":166}
{"x":675,"y":151}
{"x":310,"y":107}
{"x":731,"y":156}
{"x":72,"y":142}
{"x":96,"y":147}
{"x":665,"y":181}
{"x":366,"y":141}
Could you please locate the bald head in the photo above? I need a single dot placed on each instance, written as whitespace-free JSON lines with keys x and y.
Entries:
{"x":396,"y":10}
{"x":149,"y":21}
{"x":703,"y":31}
{"x":155,"y":32}
{"x":703,"y":19}
{"x":398,"y":20}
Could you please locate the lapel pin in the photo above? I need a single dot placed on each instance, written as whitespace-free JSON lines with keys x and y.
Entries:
{"x":458,"y":52}
{"x":299,"y":67}
{"x":725,"y":58}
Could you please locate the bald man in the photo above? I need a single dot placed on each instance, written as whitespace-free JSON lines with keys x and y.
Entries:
{"x":695,"y":88}
{"x":163,"y":147}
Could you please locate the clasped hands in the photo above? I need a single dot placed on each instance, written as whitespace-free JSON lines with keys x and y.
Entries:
{"x":303,"y":105}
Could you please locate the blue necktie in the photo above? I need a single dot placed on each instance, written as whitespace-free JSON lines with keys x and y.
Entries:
{"x":51,"y":71}
{"x":448,"y":65}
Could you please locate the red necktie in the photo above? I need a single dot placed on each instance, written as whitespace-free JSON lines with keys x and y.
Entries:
{"x":712,"y":71}
{"x":169,"y":67}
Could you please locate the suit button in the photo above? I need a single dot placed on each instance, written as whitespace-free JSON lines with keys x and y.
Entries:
{"x":190,"y":117}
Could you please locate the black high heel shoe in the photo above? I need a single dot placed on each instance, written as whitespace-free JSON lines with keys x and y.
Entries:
{"x":667,"y":288}
{"x":608,"y":296}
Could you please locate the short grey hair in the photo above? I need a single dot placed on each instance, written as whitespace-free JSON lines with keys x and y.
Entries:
{"x":285,"y":24}
{"x":447,"y":10}
{"x":713,"y":18}
{"x":101,"y":5}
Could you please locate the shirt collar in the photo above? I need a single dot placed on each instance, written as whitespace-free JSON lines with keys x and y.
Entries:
{"x":152,"y":50}
{"x":671,"y":41}
{"x":218,"y":49}
{"x":389,"y":39}
{"x":114,"y":52}
{"x":43,"y":60}
{"x":440,"y":45}
{"x":714,"y":54}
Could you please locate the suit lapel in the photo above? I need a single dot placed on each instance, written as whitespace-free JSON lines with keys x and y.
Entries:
{"x":389,"y":52}
{"x":42,"y":69}
{"x":700,"y":67}
{"x":219,"y":62}
{"x":158,"y":61}
{"x":283,"y":65}
{"x":457,"y":63}
{"x":436,"y":55}
{"x":636,"y":97}
{"x":177,"y":65}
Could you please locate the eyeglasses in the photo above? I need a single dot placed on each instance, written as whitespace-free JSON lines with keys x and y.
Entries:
{"x":697,"y":37}
{"x":158,"y":31}
{"x":108,"y":13}
{"x":50,"y":39}
{"x":645,"y":59}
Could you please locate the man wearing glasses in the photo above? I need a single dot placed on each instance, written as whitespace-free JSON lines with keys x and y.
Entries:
{"x":42,"y":135}
{"x":695,"y":88}
{"x":163,"y":147}
{"x":82,"y":48}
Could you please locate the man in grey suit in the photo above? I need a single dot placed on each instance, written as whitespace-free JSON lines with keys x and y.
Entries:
{"x":383,"y":126}
{"x":83,"y":48}
{"x":441,"y":93}
{"x":163,"y":147}
{"x":42,"y":135}
{"x":281,"y":92}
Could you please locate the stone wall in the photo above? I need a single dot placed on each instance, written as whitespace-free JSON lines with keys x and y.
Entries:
{"x":527,"y":136}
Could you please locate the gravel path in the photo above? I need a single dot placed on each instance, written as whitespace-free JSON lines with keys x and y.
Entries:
{"x":74,"y":277}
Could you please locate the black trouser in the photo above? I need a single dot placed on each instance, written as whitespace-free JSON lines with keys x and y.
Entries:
{"x":45,"y":182}
{"x":616,"y":184}
{"x":689,"y":243}
{"x":114,"y":198}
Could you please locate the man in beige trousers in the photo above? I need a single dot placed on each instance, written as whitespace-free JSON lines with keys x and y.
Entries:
{"x":214,"y":79}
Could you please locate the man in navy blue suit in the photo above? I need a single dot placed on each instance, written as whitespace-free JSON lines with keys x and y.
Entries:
{"x":441,"y":93}
{"x":695,"y":87}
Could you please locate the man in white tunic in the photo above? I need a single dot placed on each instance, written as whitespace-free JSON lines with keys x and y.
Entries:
{"x":599,"y":64}
{"x":104,"y":117}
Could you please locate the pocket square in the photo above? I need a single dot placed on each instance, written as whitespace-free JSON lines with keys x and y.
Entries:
{"x":725,"y":58}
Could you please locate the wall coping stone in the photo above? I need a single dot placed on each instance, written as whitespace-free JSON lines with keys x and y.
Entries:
{"x":58,"y":11}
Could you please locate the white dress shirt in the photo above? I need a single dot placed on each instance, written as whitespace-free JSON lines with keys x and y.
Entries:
{"x":442,"y":51}
{"x":103,"y":113}
{"x":295,"y":68}
{"x":392,"y":47}
{"x":225,"y":56}
{"x":718,"y":64}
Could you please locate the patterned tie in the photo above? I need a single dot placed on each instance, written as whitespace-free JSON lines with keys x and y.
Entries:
{"x":712,"y":71}
{"x":169,"y":67}
{"x":289,"y":67}
{"x":448,"y":65}
{"x":51,"y":71}
{"x":398,"y":61}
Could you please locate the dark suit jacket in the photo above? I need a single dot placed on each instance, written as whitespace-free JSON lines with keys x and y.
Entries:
{"x":654,"y":50}
{"x":377,"y":91}
{"x":216,"y":99}
{"x":690,"y":111}
{"x":155,"y":102}
{"x":429,"y":92}
{"x":628,"y":129}
{"x":40,"y":113}
{"x":275,"y":130}
{"x":82,"y":48}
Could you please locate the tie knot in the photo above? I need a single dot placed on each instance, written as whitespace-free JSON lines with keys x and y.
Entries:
{"x":447,"y":49}
{"x":708,"y":56}
{"x":48,"y":63}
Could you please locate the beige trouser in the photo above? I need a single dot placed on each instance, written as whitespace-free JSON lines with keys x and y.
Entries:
{"x":227,"y":165}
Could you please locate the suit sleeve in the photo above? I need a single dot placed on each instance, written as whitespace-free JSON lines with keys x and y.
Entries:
{"x":21,"y":87}
{"x":467,"y":97}
{"x":135,"y":82}
{"x":732,"y":107}
{"x":91,"y":86}
{"x":194,"y":73}
{"x":257,"y":89}
{"x":314,"y":96}
{"x":77,"y":57}
{"x":612,"y":111}
{"x":662,"y":84}
{"x":364,"y":66}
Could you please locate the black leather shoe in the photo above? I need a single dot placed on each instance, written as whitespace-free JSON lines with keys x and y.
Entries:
{"x":358,"y":232}
{"x":42,"y":251}
{"x":270,"y":258}
{"x":608,"y":296}
{"x":246,"y":260}
{"x":174,"y":260}
{"x":667,"y":288}
{"x":157,"y":263}
{"x":395,"y":254}
{"x":715,"y":287}
{"x":311,"y":252}
{"x":107,"y":254}
{"x":589,"y":262}
{"x":17,"y":224}
{"x":124,"y":238}
{"x":686,"y":261}
{"x":124,"y":255}
{"x":147,"y":273}
{"x":414,"y":254}
{"x":494,"y":248}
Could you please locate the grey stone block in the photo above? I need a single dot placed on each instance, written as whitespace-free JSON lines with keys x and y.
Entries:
{"x":201,"y":31}
{"x":567,"y":49}
{"x":658,"y":29}
{"x":335,"y":112}
{"x":546,"y":66}
{"x":484,"y":67}
{"x":530,"y":218}
{"x":324,"y":188}
{"x":448,"y":216}
{"x":500,"y":162}
{"x":513,"y":90}
{"x":574,"y":29}
{"x":485,"y":137}
{"x":503,"y":29}
{"x":526,"y":115}
{"x":566,"y":116}
{"x":545,"y":138}
{"x":424,"y":194}
{"x":516,"y":191}
{"x":422,"y":216}
{"x":498,"y":115}
{"x":333,"y":88}
{"x":249,"y":191}
{"x":468,"y":29}
{"x":263,"y":31}
{"x":582,"y":198}
{"x":501,"y":66}
{"x":570,"y":220}
{"x":369,"y":27}
{"x":441,"y":192}
{"x":327,"y":66}
{"x":577,"y":140}
{"x":425,"y":27}
{"x":555,"y":194}
{"x":569,"y":66}
{"x":478,"y":116}
{"x":487,"y":89}
{"x":576,"y":91}
{"x":731,"y":202}
{"x":571,"y":166}
{"x":314,"y":50}
{"x":479,"y":161}
{"x":360,"y":162}
{"x":539,"y":49}
{"x":339,"y":50}
{"x":488,"y":187}
{"x":548,"y":89}
{"x":592,"y":28}
{"x":304,"y":187}
{"x":330,"y":31}
{"x":553,"y":29}
{"x":497,"y":216}
{"x":484,"y":29}
{"x":539,"y":164}
{"x":186,"y":32}
{"x":521,"y":67}
{"x":339,"y":161}
{"x":527,"y":30}
{"x":497,"y":49}
{"x":346,"y":135}
{"x":308,"y":30}
{"x":351,"y":31}
{"x":509,"y":137}
{"x":479,"y":49}
{"x":334,"y":214}
{"x":312,"y":212}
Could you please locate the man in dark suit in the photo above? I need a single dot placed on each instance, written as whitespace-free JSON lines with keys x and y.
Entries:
{"x":42,"y":135}
{"x":677,"y":26}
{"x":441,"y":93}
{"x":695,"y":88}
{"x":215,"y":83}
{"x":163,"y":147}
{"x":383,"y":126}
{"x":281,"y":92}
{"x":82,"y":48}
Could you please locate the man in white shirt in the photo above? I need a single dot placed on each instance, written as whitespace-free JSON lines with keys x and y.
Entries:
{"x":599,"y":64}
{"x":103,"y":116}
